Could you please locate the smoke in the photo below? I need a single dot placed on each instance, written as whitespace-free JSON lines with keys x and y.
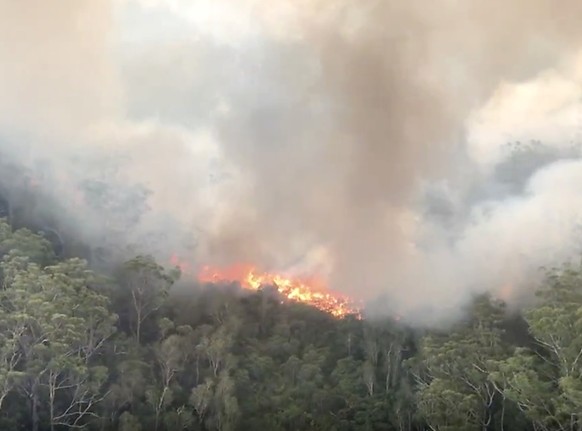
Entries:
{"x":361,"y":139}
{"x":58,"y":72}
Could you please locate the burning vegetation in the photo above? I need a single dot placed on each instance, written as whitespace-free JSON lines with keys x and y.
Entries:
{"x":308,"y":290}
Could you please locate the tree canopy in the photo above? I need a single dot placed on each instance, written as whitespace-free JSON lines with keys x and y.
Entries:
{"x":123,"y":351}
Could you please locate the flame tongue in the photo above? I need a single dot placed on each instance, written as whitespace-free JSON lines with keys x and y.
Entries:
{"x":311,"y":291}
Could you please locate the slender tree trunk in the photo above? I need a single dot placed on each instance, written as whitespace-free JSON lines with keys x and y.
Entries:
{"x":197,"y":368}
{"x":159,"y":407}
{"x":34,"y":407}
{"x":485,"y":424}
{"x":138,"y":309}
{"x":138,"y":326}
{"x":503,"y":413}
{"x":52,"y":415}
{"x":52,"y":401}
{"x":3,"y":397}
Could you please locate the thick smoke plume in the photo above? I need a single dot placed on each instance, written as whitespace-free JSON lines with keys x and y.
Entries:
{"x":359,"y":139}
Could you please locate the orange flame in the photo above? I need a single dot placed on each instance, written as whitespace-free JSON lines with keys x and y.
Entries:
{"x":312,"y":290}
{"x":309,"y":290}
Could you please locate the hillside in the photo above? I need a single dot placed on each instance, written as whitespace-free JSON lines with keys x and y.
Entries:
{"x":127,"y":351}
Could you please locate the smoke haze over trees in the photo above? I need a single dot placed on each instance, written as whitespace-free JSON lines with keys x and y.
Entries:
{"x":308,"y":136}
{"x":425,"y":158}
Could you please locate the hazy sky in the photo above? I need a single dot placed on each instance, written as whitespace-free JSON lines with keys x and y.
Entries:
{"x":311,"y":134}
{"x":534,"y":109}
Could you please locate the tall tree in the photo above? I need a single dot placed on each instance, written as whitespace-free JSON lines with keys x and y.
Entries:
{"x":544,"y":380}
{"x":61,"y":323}
{"x":456,"y":368}
{"x":146,"y":285}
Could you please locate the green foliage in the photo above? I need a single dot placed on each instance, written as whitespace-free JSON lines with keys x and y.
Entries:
{"x":24,"y":243}
{"x":78,"y":351}
{"x":145,"y":286}
{"x":545,"y":381}
{"x":453,"y":370}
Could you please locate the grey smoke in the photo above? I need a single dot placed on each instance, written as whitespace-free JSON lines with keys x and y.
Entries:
{"x":328,"y":129}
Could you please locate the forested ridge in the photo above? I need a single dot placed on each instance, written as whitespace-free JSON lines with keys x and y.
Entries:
{"x":126,"y":351}
{"x":290,"y":215}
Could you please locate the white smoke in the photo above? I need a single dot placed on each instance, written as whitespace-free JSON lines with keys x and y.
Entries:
{"x":312,"y":135}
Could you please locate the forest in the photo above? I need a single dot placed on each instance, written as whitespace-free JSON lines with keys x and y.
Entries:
{"x":134,"y":348}
{"x":366,"y":143}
